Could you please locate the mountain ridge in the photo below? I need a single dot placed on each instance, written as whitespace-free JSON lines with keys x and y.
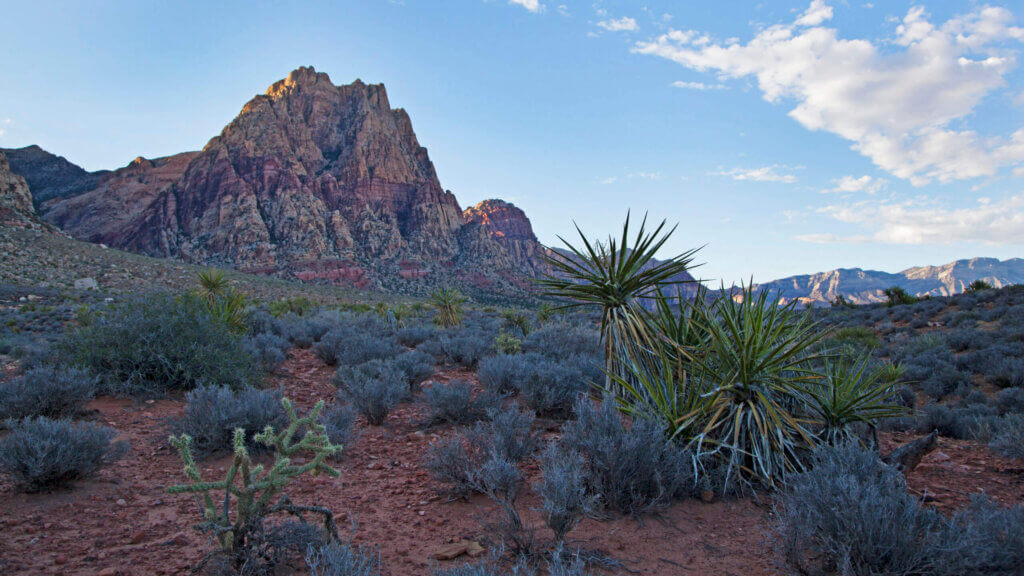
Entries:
{"x":861,"y":286}
{"x":311,"y":181}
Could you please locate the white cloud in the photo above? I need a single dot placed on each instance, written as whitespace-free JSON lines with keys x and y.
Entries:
{"x":896,"y":101}
{"x":698,"y":85}
{"x":532,"y":5}
{"x":924,"y":222}
{"x":624,"y":24}
{"x":848,"y":184}
{"x":563,"y":10}
{"x":763,"y":174}
{"x":815,"y":14}
{"x":609,"y":180}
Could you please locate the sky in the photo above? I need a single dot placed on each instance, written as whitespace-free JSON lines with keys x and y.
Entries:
{"x":783,"y":137}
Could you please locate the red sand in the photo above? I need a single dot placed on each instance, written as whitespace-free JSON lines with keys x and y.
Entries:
{"x":123,"y":522}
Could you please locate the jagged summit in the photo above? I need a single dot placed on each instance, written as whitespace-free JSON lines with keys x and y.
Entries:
{"x":311,"y":178}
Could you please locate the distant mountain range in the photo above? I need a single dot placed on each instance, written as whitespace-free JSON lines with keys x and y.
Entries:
{"x":860,"y":286}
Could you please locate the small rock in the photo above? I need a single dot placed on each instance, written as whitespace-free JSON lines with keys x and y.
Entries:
{"x":86,"y":284}
{"x":940,"y":457}
{"x":121,"y":502}
{"x":707,"y":495}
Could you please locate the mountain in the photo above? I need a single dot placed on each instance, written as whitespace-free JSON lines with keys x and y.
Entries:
{"x":311,"y":180}
{"x":16,"y":210}
{"x":867,"y":286}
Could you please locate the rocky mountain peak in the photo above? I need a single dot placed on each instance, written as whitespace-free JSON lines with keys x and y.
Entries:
{"x":16,"y":208}
{"x":311,"y":180}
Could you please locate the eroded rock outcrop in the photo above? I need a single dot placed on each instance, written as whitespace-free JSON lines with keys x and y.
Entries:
{"x":16,"y":210}
{"x":311,"y":180}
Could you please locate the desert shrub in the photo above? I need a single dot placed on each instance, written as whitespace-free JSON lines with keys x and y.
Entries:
{"x":416,"y":365}
{"x":212,"y":413}
{"x":897,"y":296}
{"x":1010,"y":401}
{"x":633,"y":469}
{"x":954,"y":422}
{"x":924,"y":343}
{"x":562,"y":338}
{"x":1007,"y":373}
{"x":565,"y":499}
{"x":454,"y":403}
{"x":40,"y":453}
{"x":458,"y":460}
{"x":342,"y":559}
{"x":499,"y":373}
{"x":373,"y":388}
{"x":339,"y":422}
{"x":1007,"y":436}
{"x":156,"y":345}
{"x":961,"y":340}
{"x":983,"y":538}
{"x":413,"y":336}
{"x":267,"y":349}
{"x":344,"y":346}
{"x":905,"y":397}
{"x":978,"y":361}
{"x":506,"y":343}
{"x":862,"y":337}
{"x":465,"y":349}
{"x":852,"y":514}
{"x":54,"y":392}
{"x":945,"y":380}
{"x":549,"y":387}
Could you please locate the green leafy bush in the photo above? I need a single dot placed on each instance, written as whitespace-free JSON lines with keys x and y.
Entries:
{"x":157,"y":345}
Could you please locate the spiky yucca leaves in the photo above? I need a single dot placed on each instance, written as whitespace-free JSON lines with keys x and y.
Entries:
{"x":223,"y":302}
{"x":254,"y":487}
{"x":851,"y":391}
{"x":213,"y":282}
{"x":758,"y":356}
{"x":517,"y":322}
{"x":613,"y":275}
{"x":448,"y":303}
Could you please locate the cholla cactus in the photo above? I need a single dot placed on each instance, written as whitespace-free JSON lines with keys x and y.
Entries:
{"x":253,"y":486}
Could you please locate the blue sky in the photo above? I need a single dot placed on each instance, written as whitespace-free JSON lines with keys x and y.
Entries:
{"x":789,"y":137}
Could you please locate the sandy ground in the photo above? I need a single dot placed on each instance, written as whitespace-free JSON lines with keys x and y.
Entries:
{"x":122,"y":522}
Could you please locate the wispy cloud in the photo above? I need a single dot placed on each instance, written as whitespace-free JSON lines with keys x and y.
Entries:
{"x":762,"y":174}
{"x":698,"y":85}
{"x":921,"y":221}
{"x":902,"y":101}
{"x":624,"y":24}
{"x":532,"y":5}
{"x":850,"y":184}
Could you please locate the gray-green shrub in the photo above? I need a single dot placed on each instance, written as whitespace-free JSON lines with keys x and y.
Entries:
{"x":212,"y":413}
{"x":51,"y":391}
{"x":40,"y":453}
{"x":156,"y":345}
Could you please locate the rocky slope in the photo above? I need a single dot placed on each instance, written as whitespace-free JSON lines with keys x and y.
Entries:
{"x":16,"y":210}
{"x":868,"y":286}
{"x":311,"y":180}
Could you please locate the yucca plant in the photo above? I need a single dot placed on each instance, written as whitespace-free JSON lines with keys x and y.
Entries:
{"x":758,"y":357}
{"x":222,"y":301}
{"x":448,"y":303}
{"x":614,"y":275}
{"x":517,"y":321}
{"x":213,"y":282}
{"x":851,"y":391}
{"x":544,"y":313}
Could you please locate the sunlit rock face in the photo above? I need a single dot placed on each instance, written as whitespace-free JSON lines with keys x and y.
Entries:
{"x":326,"y":181}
